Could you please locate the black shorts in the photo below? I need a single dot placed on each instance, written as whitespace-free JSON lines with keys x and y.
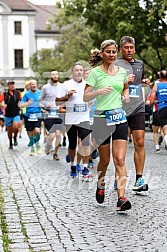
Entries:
{"x":136,"y":122}
{"x":163,"y":116}
{"x":156,"y":121}
{"x":102,"y":133}
{"x":31,"y":125}
{"x":53,"y":124}
{"x":81,"y":131}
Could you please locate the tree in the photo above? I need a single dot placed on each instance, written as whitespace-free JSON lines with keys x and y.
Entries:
{"x":146,"y":22}
{"x":74,"y":45}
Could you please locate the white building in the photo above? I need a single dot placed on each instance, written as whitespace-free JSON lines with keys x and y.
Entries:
{"x":23,"y":31}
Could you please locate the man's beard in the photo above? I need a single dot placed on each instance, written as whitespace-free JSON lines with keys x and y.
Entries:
{"x":54,"y":81}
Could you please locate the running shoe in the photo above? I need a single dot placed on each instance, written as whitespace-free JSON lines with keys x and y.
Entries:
{"x":115,"y":185}
{"x":85,"y":171}
{"x":130,"y":140}
{"x":95,"y":154}
{"x":32,"y":152}
{"x":123,"y":204}
{"x":86,"y":174}
{"x":165,"y":146}
{"x":140,"y":186}
{"x":68,"y":158}
{"x":78,"y":167}
{"x":38,"y":148}
{"x":157,"y":151}
{"x":90,"y":164}
{"x":73,"y":172}
{"x":100,"y":193}
{"x":15,"y":141}
{"x":56,"y":157}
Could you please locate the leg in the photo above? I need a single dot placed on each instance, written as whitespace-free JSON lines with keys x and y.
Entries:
{"x":57,"y":144}
{"x":119,"y":152}
{"x":104,"y":160}
{"x":15,"y":129}
{"x":156,"y":138}
{"x":10,"y":133}
{"x":20,"y":127}
{"x":139,"y":152}
{"x":72,"y":139}
{"x":72,"y":131}
{"x":164,"y":130}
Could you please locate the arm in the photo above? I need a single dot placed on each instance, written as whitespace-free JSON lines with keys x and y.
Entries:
{"x":2,"y":102}
{"x":125,"y":93}
{"x":25,"y":101}
{"x":146,"y":81}
{"x":148,"y":100}
{"x":23,"y":104}
{"x":67,"y":96}
{"x":90,"y":95}
{"x":153,"y":94}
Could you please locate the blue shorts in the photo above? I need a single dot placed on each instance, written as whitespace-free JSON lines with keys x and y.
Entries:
{"x":9,"y":120}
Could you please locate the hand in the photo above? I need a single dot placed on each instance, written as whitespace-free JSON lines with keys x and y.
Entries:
{"x":131,"y":78}
{"x":126,"y":98}
{"x":146,"y":81}
{"x":91,"y":103}
{"x":3,"y":105}
{"x":70,"y":93}
{"x":30,"y":101}
{"x":105,"y":90}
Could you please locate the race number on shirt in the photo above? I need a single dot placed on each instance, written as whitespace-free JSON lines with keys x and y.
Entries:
{"x":115,"y":116}
{"x":80,"y":107}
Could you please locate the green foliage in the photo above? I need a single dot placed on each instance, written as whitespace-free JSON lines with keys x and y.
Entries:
{"x":86,"y":23}
{"x":74,"y":45}
{"x":146,"y":22}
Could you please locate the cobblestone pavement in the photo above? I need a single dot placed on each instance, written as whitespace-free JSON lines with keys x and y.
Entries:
{"x":46,"y":210}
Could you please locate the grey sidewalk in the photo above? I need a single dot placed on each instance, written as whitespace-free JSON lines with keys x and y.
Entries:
{"x":46,"y":210}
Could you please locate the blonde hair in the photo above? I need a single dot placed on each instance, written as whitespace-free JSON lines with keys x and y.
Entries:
{"x":95,"y":57}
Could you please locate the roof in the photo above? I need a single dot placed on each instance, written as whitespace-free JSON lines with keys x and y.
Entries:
{"x":21,"y":5}
{"x":43,"y":14}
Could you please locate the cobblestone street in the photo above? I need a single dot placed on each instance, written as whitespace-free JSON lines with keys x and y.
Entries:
{"x":46,"y":210}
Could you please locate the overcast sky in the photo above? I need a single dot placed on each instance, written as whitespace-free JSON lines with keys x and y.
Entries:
{"x":43,"y":2}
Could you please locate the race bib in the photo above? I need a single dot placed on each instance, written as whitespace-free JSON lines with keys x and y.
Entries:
{"x":80,"y":107}
{"x":115,"y":116}
{"x":134,"y":91}
{"x":33,"y":117}
{"x":53,"y":113}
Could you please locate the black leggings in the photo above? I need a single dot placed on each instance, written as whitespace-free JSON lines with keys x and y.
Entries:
{"x":81,"y":131}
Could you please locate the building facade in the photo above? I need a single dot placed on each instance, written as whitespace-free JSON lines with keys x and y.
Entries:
{"x":23,"y":31}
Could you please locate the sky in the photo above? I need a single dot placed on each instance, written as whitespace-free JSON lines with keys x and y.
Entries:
{"x":43,"y":2}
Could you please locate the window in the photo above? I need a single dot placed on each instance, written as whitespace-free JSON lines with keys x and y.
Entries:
{"x":17,"y":27}
{"x":18,"y":54}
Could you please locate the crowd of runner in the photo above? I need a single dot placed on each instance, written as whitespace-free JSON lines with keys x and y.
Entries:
{"x":93,"y":109}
